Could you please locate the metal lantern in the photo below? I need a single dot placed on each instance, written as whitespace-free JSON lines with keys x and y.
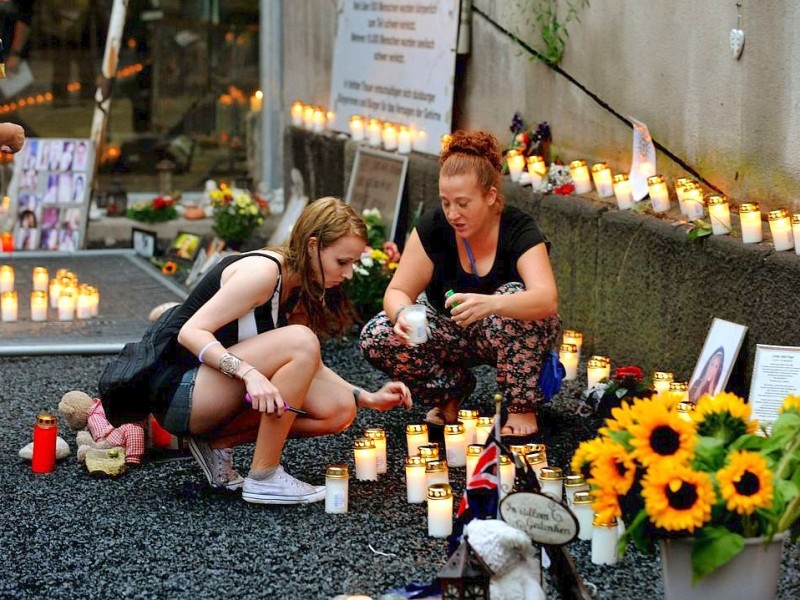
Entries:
{"x":116,"y":200}
{"x":465,"y":576}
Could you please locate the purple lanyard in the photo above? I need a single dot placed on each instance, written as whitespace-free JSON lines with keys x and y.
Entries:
{"x":471,"y":260}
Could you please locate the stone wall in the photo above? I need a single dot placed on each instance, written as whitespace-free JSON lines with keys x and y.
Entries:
{"x":640,"y":290}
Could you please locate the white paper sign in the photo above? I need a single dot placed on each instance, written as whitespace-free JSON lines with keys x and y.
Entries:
{"x":395,"y":61}
{"x":643,"y":164}
{"x":776,"y":374}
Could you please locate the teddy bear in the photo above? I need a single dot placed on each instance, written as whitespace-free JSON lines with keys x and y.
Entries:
{"x":511,"y":556}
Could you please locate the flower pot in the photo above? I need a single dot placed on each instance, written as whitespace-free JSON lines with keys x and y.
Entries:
{"x":752,"y":574}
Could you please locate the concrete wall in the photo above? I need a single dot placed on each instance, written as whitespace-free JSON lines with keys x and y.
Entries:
{"x":665,"y":63}
{"x":638,"y":288}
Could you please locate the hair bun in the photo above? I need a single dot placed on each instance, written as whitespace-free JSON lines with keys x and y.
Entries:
{"x":477,"y":143}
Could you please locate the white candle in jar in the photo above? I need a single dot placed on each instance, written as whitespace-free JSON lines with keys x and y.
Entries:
{"x":419,"y":140}
{"x":9,"y":306}
{"x":570,"y":336}
{"x":601,"y":175}
{"x":55,"y":291}
{"x":357,"y":128}
{"x":378,"y":436}
{"x":796,"y":232}
{"x":623,"y":191}
{"x":440,"y":510}
{"x":604,"y":541}
{"x":374,"y":133}
{"x":582,"y":507}
{"x":83,"y":307}
{"x":40,"y":279}
{"x":417,"y":318}
{"x":568,"y":355}
{"x":750,"y":222}
{"x":551,"y":480}
{"x":95,"y":301}
{"x":507,"y":473}
{"x":416,"y":484}
{"x":693,"y":200}
{"x":469,"y":419}
{"x":597,"y":369}
{"x":516,"y":163}
{"x":781,"y":229}
{"x":536,"y":461}
{"x":483,"y":428}
{"x":537,"y":170}
{"x":659,"y":194}
{"x":574,"y":483}
{"x":308,"y":117}
{"x":318,"y":120}
{"x":429,"y":451}
{"x":680,"y":185}
{"x":366,"y":459}
{"x":297,"y":113}
{"x":66,"y":305}
{"x":436,"y":471}
{"x":38,"y":306}
{"x":389,"y":136}
{"x":455,"y":444}
{"x":256,"y":100}
{"x":719,"y":214}
{"x":404,"y":140}
{"x":6,"y":278}
{"x":473,"y":454}
{"x":416,"y":436}
{"x":681,"y":388}
{"x":336,"y":489}
{"x":580,"y":176}
{"x":662,"y":380}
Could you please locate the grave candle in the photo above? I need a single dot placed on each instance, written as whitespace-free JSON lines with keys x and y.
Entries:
{"x":552,"y":482}
{"x":685,"y":410}
{"x":570,"y":336}
{"x":436,"y":472}
{"x":416,"y":436}
{"x":796,"y":231}
{"x":659,"y":194}
{"x":404,"y":140}
{"x":66,"y":304}
{"x":308,"y":117}
{"x":680,"y":186}
{"x":366,"y":459}
{"x":297,"y":113}
{"x":40,"y":279}
{"x":537,"y":170}
{"x":440,"y":510}
{"x":750,"y":222}
{"x":6,"y":278}
{"x":420,"y":140}
{"x":661,"y":381}
{"x":604,"y":541}
{"x":536,"y":461}
{"x":507,"y":472}
{"x":597,"y":369}
{"x":568,"y":355}
{"x":38,"y":306}
{"x":357,"y":128}
{"x":318,"y":120}
{"x":7,"y":241}
{"x":680,"y":387}
{"x":374,"y":133}
{"x":574,"y":483}
{"x":455,"y":444}
{"x":781,"y":229}
{"x":516,"y":163}
{"x":428,"y":452}
{"x":473,"y":453}
{"x":623,"y":191}
{"x":534,"y":447}
{"x":483,"y":428}
{"x":416,"y":486}
{"x":83,"y":308}
{"x":719,"y":213}
{"x":9,"y":306}
{"x":389,"y":136}
{"x":469,"y":418}
{"x":378,"y":436}
{"x":693,"y":200}
{"x":601,"y":175}
{"x":580,"y":176}
{"x":95,"y":300}
{"x":55,"y":291}
{"x":336,"y":489}
{"x":256,"y":101}
{"x":582,"y":507}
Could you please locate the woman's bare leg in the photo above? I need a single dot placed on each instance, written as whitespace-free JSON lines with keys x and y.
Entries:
{"x":330,"y":408}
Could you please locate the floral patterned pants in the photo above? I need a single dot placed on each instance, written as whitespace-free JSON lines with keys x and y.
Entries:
{"x":439,"y":370}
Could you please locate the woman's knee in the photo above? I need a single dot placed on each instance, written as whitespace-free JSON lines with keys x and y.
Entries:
{"x":302,"y":343}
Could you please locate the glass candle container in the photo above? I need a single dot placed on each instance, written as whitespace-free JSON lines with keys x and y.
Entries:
{"x":520,"y":449}
{"x":551,"y":480}
{"x":597,"y":369}
{"x":536,"y":461}
{"x":516,"y":164}
{"x":318,"y":121}
{"x":507,"y":473}
{"x":483,"y":428}
{"x":366,"y":459}
{"x":9,"y":306}
{"x":719,"y":214}
{"x":680,"y":387}
{"x":436,"y":472}
{"x":336,"y":489}
{"x":571,"y":336}
{"x":297,"y":113}
{"x":95,"y":300}
{"x":680,"y":186}
{"x":429,"y":451}
{"x":83,"y":305}
{"x":693,"y":201}
{"x":378,"y":436}
{"x":604,"y":541}
{"x":45,"y":432}
{"x":416,"y":436}
{"x":796,"y":232}
{"x":374,"y":132}
{"x":537,"y":170}
{"x":580,"y":176}
{"x":66,"y":304}
{"x":440,"y":510}
{"x":416,"y":486}
{"x":468,"y":417}
{"x":750,"y":222}
{"x":685,"y":410}
{"x":389,"y":137}
{"x":38,"y":306}
{"x":6,"y":278}
{"x":534,"y":447}
{"x":455,"y":444}
{"x":601,"y":176}
{"x":419,"y":140}
{"x":781,"y":229}
{"x":568,"y":355}
{"x":573,"y":483}
{"x":55,"y":291}
{"x":308,"y":117}
{"x":6,"y":237}
{"x":473,"y":454}
{"x":623,"y":191}
{"x":40,"y":279}
{"x":356,"y":125}
{"x":661,"y":381}
{"x":659,"y":194}
{"x":403,"y":140}
{"x":582,"y":507}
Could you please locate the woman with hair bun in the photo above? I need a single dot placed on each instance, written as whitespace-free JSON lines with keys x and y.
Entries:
{"x":504,"y":309}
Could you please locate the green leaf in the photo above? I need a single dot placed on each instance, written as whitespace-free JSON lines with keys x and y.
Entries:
{"x":622,"y":438}
{"x":710,"y":453}
{"x":713,"y":547}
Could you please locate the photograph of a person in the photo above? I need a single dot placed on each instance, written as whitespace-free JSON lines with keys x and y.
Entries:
{"x":30,"y":155}
{"x":143,"y":242}
{"x":27,"y":237}
{"x":184,"y":246}
{"x":43,"y":156}
{"x":78,"y":187}
{"x":716,"y":359}
{"x":67,"y":152}
{"x":81,"y":156}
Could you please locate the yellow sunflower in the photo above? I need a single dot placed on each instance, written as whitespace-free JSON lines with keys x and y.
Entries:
{"x":724,"y":416}
{"x":584,"y":456}
{"x":605,"y":504}
{"x":677,"y":498}
{"x":612,"y":467}
{"x":622,"y":417}
{"x":169,"y":268}
{"x":790,"y":403}
{"x":662,"y":434}
{"x":746,"y":482}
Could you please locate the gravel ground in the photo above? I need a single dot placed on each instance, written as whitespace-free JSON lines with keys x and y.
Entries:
{"x":158,"y":532}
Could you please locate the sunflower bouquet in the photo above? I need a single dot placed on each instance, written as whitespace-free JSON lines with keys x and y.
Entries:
{"x":710,"y":474}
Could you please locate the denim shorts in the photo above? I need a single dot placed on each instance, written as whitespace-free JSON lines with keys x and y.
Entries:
{"x":175,"y":418}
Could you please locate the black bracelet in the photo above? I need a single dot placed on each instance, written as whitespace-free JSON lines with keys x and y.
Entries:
{"x":356,"y":394}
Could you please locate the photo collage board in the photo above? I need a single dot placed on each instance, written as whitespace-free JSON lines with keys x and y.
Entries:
{"x":50,"y":193}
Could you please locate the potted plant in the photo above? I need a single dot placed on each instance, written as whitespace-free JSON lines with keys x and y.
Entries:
{"x":236,"y":214}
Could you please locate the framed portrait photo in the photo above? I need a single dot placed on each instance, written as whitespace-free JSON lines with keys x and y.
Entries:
{"x":184,"y":247}
{"x":143,"y":242}
{"x":714,"y":366}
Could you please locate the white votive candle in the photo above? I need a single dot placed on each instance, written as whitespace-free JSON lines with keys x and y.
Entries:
{"x":571,"y":336}
{"x":597,"y":369}
{"x":750,"y":222}
{"x":416,"y":436}
{"x":781,"y":229}
{"x":582,"y":507}
{"x":573,"y":483}
{"x":659,"y":194}
{"x":693,"y":201}
{"x":796,"y":231}
{"x":580,"y":176}
{"x":378,"y":436}
{"x":601,"y":175}
{"x":297,"y":113}
{"x":389,"y":136}
{"x":356,"y":124}
{"x":507,"y":473}
{"x":516,"y":163}
{"x":374,"y":133}
{"x":661,"y":381}
{"x":440,"y":510}
{"x":537,"y":461}
{"x":95,"y":301}
{"x":680,"y":185}
{"x":473,"y":454}
{"x":429,"y":451}
{"x":404,"y":140}
{"x":416,"y":486}
{"x":308,"y":117}
{"x":6,"y":278}
{"x":366,"y":459}
{"x":55,"y":291}
{"x":9,"y":305}
{"x":604,"y":541}
{"x":436,"y":471}
{"x":38,"y":306}
{"x":469,"y":419}
{"x":417,"y":318}
{"x":568,"y":355}
{"x":83,"y":307}
{"x":419,"y":140}
{"x":40,"y":279}
{"x":551,"y":480}
{"x":66,"y":305}
{"x":680,"y":388}
{"x":719,"y":214}
{"x":483,"y":428}
{"x":319,"y":120}
{"x":537,"y":169}
{"x":455,"y":444}
{"x":623,"y":191}
{"x":336,"y":489}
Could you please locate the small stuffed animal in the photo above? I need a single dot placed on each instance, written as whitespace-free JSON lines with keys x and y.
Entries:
{"x":74,"y":409}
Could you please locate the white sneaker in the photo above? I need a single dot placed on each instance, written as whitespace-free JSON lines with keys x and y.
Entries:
{"x":217,"y":465}
{"x":281,"y":488}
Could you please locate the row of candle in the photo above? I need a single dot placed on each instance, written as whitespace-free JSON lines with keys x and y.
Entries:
{"x":310,"y":117}
{"x":393,"y":137}
{"x":69,"y":297}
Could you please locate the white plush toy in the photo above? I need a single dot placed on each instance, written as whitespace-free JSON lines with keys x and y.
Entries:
{"x":509,"y":553}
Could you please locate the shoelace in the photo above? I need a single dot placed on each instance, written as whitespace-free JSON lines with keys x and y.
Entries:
{"x":224,"y":464}
{"x":294,"y":482}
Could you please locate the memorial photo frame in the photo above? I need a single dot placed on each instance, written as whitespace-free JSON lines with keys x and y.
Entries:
{"x":144,"y":242}
{"x":184,"y":247}
{"x":715,"y":364}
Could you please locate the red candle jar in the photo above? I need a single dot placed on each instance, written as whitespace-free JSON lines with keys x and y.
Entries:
{"x":44,"y":443}
{"x":7,"y":241}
